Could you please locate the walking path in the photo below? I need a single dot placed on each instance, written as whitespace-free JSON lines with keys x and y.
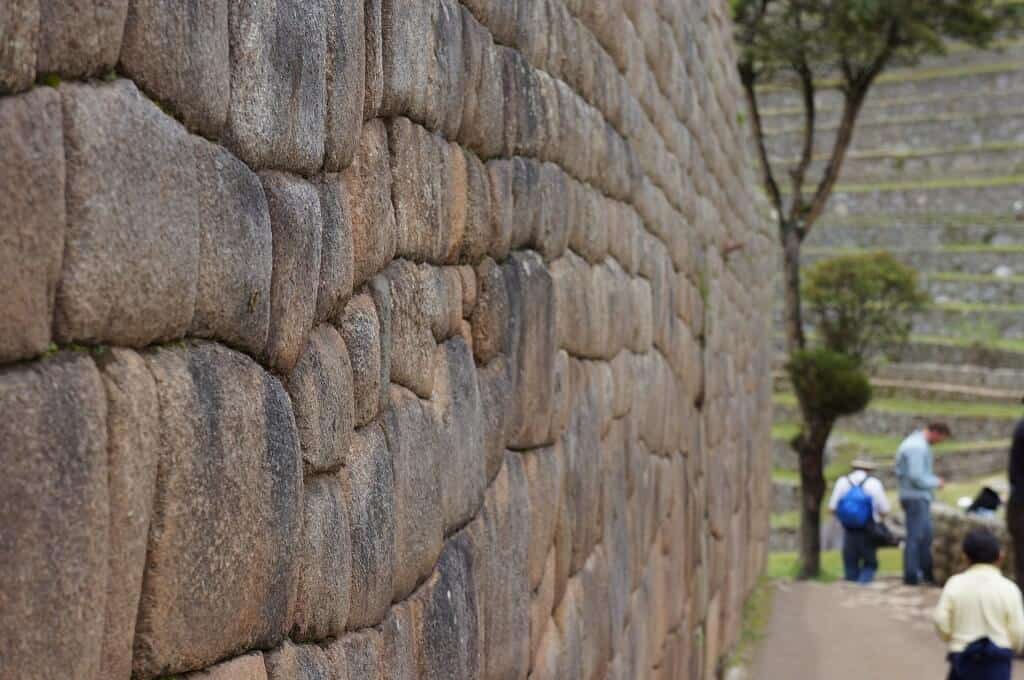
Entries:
{"x":845,"y":632}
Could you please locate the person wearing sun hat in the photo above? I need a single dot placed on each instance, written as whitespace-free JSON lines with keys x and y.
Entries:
{"x":1015,"y":506}
{"x":858,"y":500}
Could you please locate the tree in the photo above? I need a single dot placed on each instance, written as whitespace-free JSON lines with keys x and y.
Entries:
{"x":849,"y":42}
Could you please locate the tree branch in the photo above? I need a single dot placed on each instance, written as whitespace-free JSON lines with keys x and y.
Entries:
{"x":748,"y":79}
{"x":799,"y":172}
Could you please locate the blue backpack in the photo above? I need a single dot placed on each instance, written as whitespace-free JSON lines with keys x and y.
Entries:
{"x":854,"y":509}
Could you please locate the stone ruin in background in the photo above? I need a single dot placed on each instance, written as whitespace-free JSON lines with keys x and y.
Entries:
{"x":377,"y":340}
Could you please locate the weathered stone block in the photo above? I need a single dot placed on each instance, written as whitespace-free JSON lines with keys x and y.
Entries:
{"x":379,"y":289}
{"x":297,"y":662}
{"x":399,"y":644}
{"x":447,"y":620}
{"x":346,"y":79}
{"x":19,"y":24}
{"x":545,"y":479}
{"x":321,"y":392}
{"x":32,"y":221}
{"x":235,"y":252}
{"x":423,"y":211}
{"x":132,"y":426}
{"x":412,"y":338}
{"x":278,"y":83}
{"x":532,"y":301}
{"x":53,"y":518}
{"x":80,"y":37}
{"x":367,"y":201}
{"x":296,"y":224}
{"x":458,"y":410}
{"x":371,"y":501}
{"x":423,"y":63}
{"x":501,"y":174}
{"x":491,"y":315}
{"x":337,"y":268}
{"x":178,"y":53}
{"x":131,"y":250}
{"x":360,"y":328}
{"x":483,"y":114}
{"x":359,"y":654}
{"x":248,"y":667}
{"x":412,"y":439}
{"x":230,"y":486}
{"x":496,"y":402}
{"x":582,"y":447}
{"x":325,"y":561}
{"x":506,"y":589}
{"x":542,"y":604}
{"x":561,"y":396}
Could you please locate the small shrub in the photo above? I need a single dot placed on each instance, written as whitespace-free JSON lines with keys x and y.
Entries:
{"x":862,"y":305}
{"x":829,"y":383}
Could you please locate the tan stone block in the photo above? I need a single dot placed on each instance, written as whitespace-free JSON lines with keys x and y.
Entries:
{"x":366,"y":194}
{"x":337,"y":268}
{"x":346,"y":73}
{"x":413,"y":345}
{"x":297,"y":662}
{"x":361,"y":330}
{"x":132,"y":427}
{"x":80,"y":37}
{"x":19,"y":23}
{"x":542,"y":604}
{"x":248,"y":667}
{"x":54,"y":514}
{"x":32,"y":224}
{"x":482,"y":109}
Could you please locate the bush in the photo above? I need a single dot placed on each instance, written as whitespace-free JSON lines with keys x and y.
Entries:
{"x":828,"y":383}
{"x":862,"y":304}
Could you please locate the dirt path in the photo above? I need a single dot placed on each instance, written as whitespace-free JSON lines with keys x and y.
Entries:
{"x":844,"y":632}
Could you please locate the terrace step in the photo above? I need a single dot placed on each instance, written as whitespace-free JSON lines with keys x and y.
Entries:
{"x":928,"y":131}
{"x":979,"y":322}
{"x":1000,"y":196}
{"x":887,"y":232}
{"x":1007,"y":380}
{"x":885,"y":387}
{"x":896,"y":417}
{"x":972,"y":258}
{"x":975,"y":289}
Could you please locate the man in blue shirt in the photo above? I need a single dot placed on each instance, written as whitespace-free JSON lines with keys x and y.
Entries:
{"x":917,"y":489}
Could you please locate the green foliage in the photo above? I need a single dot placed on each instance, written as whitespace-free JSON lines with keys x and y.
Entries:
{"x":862,"y":303}
{"x":849,"y":37}
{"x":829,"y":383}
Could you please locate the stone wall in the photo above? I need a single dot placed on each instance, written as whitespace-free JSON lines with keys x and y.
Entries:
{"x":950,"y":527}
{"x":377,"y":340}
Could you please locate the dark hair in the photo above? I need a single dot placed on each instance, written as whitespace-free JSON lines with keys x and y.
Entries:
{"x":940,"y":428}
{"x":981,"y":546}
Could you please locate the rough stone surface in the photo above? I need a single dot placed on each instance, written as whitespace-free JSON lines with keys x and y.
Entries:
{"x":80,"y":37}
{"x":400,"y":338}
{"x":276,"y":118}
{"x":54,"y":532}
{"x":229,"y":486}
{"x":320,"y":388}
{"x":178,"y":53}
{"x":32,"y":222}
{"x":131,"y":249}
{"x":235,"y":253}
{"x":132,"y":453}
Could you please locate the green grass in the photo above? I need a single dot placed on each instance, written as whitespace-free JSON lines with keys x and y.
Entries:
{"x":786,"y":520}
{"x":954,"y":491}
{"x":757,"y":611}
{"x":1002,"y":344}
{"x":897,"y":221}
{"x":933,"y":184}
{"x":960,"y":249}
{"x":974,"y":278}
{"x":934,"y":408}
{"x":784,"y":566}
{"x":913,"y":75}
{"x":966,"y":307}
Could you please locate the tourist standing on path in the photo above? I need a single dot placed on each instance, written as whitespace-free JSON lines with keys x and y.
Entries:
{"x":917,"y":489}
{"x":858,"y":499}
{"x":980,"y":614}
{"x":1015,"y":508}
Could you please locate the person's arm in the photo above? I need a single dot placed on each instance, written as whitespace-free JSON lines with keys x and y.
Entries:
{"x":878,"y":496}
{"x":1015,"y":626}
{"x":838,"y":491}
{"x":943,"y":616}
{"x":916,"y":472}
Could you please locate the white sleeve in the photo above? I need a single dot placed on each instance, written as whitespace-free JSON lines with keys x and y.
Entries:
{"x":838,"y":491}
{"x":875,"y":489}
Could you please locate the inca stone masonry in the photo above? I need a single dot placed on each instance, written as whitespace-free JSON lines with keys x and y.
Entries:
{"x":397,"y":339}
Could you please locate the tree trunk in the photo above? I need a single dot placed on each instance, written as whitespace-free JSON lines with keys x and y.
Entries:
{"x":810,"y":445}
{"x":794,"y":323}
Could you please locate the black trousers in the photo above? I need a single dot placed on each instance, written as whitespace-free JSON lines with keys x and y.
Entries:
{"x":1015,"y":524}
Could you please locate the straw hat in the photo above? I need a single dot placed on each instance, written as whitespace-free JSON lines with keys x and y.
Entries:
{"x":863,"y":464}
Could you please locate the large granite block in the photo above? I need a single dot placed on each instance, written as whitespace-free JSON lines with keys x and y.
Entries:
{"x":54,"y":535}
{"x":235,"y":252}
{"x":131,"y":253}
{"x":483,"y":113}
{"x":177,"y":51}
{"x":324,"y":561}
{"x":370,"y":493}
{"x":322,"y":398}
{"x":360,"y":327}
{"x":221,"y":567}
{"x":19,"y":24}
{"x":32,"y":223}
{"x":346,"y":79}
{"x":337,"y":268}
{"x":545,"y":481}
{"x":276,"y":118}
{"x":297,"y":228}
{"x":413,"y":440}
{"x":247,"y":667}
{"x":366,"y":193}
{"x":132,"y":456}
{"x":297,"y":662}
{"x":415,"y":304}
{"x":80,"y":37}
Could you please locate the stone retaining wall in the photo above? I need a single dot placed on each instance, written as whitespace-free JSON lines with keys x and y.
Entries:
{"x":950,"y":527}
{"x":377,"y":340}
